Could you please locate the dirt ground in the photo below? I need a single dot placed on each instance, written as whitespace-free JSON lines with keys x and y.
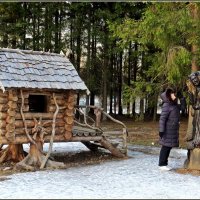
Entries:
{"x":140,"y":133}
{"x":146,"y":133}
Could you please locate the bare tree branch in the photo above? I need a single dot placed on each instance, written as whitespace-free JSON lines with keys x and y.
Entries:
{"x":24,"y":120}
{"x":52,"y":135}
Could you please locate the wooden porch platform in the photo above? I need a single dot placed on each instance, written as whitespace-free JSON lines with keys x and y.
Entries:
{"x":83,"y":131}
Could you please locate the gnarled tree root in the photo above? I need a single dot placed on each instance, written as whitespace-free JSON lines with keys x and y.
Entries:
{"x":34,"y":159}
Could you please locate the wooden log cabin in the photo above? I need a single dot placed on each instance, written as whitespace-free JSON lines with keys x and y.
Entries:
{"x":37,"y":103}
{"x":30,"y":81}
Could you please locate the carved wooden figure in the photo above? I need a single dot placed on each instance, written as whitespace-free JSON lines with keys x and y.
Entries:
{"x":193,"y":131}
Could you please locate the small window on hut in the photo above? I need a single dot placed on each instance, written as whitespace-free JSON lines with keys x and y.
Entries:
{"x":37,"y":103}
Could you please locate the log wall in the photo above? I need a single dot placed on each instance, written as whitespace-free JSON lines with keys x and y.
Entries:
{"x":12,"y":129}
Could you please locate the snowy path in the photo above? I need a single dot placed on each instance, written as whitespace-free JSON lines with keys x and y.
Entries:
{"x":137,"y":177}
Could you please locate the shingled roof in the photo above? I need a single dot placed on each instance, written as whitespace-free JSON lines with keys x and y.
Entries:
{"x":34,"y":69}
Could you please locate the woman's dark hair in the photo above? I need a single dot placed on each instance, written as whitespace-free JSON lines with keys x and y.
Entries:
{"x":169,"y":91}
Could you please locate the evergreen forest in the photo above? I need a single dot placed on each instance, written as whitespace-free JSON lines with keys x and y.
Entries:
{"x":123,"y":51}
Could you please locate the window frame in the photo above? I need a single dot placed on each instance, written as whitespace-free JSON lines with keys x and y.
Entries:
{"x":46,"y":101}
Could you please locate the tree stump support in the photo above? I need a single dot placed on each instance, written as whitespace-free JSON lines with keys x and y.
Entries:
{"x":116,"y":152}
{"x":35,"y":158}
{"x":13,"y":152}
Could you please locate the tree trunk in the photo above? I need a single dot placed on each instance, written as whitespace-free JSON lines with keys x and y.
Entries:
{"x":155,"y":107}
{"x":92,"y":98}
{"x":23,"y":38}
{"x":120,"y":85}
{"x":56,"y":15}
{"x":34,"y":32}
{"x":111,"y":100}
{"x":14,"y":152}
{"x":129,"y":74}
{"x":105,"y":71}
{"x":133,"y":108}
{"x":39,"y":42}
{"x":115,"y":104}
{"x":48,"y":27}
{"x":134,"y":72}
{"x":141,"y":110}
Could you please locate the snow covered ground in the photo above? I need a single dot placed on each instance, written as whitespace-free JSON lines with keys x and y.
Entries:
{"x":136,"y":177}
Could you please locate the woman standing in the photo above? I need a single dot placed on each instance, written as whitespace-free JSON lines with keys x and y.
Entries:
{"x":168,"y":126}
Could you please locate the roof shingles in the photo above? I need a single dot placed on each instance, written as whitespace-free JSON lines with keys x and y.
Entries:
{"x":34,"y":69}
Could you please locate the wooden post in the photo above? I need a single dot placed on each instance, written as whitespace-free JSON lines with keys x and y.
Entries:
{"x":97,"y":112}
{"x":125,"y":141}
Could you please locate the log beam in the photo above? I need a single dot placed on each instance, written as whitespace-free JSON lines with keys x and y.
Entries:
{"x":116,"y":152}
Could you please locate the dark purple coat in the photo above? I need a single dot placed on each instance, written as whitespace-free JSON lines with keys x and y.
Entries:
{"x":169,"y":122}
